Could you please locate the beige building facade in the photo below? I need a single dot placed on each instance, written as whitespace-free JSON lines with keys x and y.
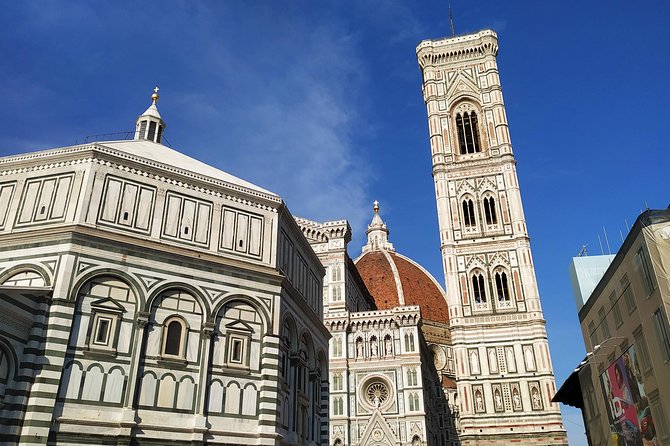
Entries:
{"x":625,"y":378}
{"x":504,"y":374}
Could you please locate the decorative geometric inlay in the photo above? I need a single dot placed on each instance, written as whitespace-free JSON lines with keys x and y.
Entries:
{"x":83,"y":266}
{"x":50,"y":264}
{"x":149,"y":281}
{"x":214,"y":293}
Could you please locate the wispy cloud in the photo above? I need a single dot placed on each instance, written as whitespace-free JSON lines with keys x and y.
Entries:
{"x":296,"y":100}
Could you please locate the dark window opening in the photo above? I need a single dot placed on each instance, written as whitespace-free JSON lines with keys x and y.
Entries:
{"x":43,"y":209}
{"x":241,"y":243}
{"x":501,"y":286}
{"x":468,"y":134}
{"x":186,"y":230}
{"x":143,"y":130}
{"x":236,"y":351}
{"x":469,"y":213}
{"x":125,"y":215}
{"x":103,"y":331}
{"x":160,"y":134}
{"x":152,"y":131}
{"x":490,"y":211}
{"x":173,"y":339}
{"x":478,"y":288}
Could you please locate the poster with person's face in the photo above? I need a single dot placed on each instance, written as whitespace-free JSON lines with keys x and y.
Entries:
{"x":628,"y":409}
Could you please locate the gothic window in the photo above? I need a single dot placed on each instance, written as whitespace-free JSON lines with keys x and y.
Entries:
{"x":413,"y":402}
{"x":174,"y":337}
{"x":337,"y":347}
{"x":478,"y":287}
{"x":469,"y":213}
{"x":409,"y":342}
{"x":468,"y":135}
{"x":490,"y":211}
{"x":338,"y":406}
{"x":411,"y":377}
{"x":502,"y":287}
{"x":337,"y":381}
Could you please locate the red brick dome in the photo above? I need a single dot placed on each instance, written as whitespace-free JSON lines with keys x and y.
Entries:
{"x":395,"y":280}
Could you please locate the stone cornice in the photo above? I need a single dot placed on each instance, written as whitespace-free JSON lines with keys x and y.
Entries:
{"x":106,"y":156}
{"x":471,"y":46}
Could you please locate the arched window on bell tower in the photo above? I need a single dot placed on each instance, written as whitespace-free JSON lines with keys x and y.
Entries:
{"x":502,"y":286}
{"x":490,"y":211}
{"x":469,"y":213}
{"x":478,"y":287}
{"x":468,"y":133}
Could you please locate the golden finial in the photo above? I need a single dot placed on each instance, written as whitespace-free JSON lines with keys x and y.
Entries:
{"x":376,"y":206}
{"x":154,"y":97}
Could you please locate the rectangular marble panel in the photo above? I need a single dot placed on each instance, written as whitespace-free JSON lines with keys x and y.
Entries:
{"x":111,"y":200}
{"x":172,"y":214}
{"x":61,"y":198}
{"x":45,"y":199}
{"x":144,"y":209}
{"x":6,"y":194}
{"x":242,"y":230}
{"x":255,"y":236}
{"x":187,"y":220}
{"x":203,"y":220}
{"x":228,"y":231}
{"x":28,"y":201}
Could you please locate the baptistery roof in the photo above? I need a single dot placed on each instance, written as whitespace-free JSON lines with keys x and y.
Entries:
{"x":395,"y":280}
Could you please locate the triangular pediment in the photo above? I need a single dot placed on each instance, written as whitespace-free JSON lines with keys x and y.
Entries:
{"x":462,"y":85}
{"x":108,"y":304}
{"x":239,"y":325}
{"x":378,"y":432}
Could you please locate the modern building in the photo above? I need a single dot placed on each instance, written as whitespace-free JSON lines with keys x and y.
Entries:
{"x":148,"y":298}
{"x":623,"y":384}
{"x":504,"y":375}
{"x":585,"y":273}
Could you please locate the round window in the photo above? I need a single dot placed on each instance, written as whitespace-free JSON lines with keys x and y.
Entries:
{"x":377,"y":393}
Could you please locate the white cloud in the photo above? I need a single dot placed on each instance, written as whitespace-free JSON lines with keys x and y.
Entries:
{"x":296,"y":101}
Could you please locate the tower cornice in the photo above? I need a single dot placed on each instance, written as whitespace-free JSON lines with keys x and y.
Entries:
{"x":452,"y":49}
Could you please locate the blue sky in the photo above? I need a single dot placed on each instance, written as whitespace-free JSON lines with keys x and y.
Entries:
{"x":321,"y":103}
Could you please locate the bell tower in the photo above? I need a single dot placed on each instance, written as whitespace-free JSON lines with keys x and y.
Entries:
{"x":504,"y":374}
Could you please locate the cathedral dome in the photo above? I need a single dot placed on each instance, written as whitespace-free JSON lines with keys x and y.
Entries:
{"x":394,"y":280}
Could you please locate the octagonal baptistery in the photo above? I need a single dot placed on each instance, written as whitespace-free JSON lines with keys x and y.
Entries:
{"x":394,"y":280}
{"x":148,"y":298}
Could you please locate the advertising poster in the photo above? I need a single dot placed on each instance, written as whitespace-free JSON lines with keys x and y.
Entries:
{"x":628,"y":409}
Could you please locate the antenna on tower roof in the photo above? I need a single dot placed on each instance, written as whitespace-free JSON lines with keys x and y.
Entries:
{"x":451,"y":22}
{"x":582,"y":252}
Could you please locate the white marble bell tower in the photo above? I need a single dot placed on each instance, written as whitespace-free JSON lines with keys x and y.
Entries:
{"x":504,"y":374}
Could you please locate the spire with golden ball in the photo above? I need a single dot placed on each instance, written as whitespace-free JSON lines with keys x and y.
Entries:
{"x":150,"y":126}
{"x":378,"y":233}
